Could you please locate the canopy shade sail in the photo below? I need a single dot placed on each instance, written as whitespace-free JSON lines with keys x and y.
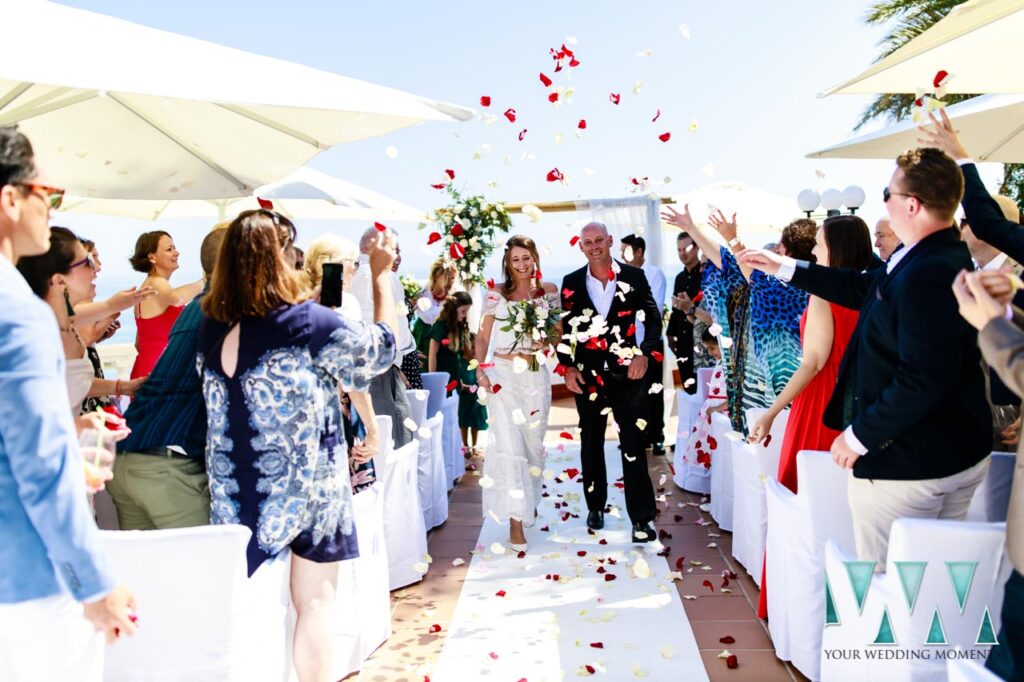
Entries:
{"x":974,"y":43}
{"x":131,"y":112}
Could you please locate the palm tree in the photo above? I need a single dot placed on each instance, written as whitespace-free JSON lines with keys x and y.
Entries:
{"x":910,"y":19}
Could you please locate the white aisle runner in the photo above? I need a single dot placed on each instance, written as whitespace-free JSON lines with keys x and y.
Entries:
{"x":557,"y":612}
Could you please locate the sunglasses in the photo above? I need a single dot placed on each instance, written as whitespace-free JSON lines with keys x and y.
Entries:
{"x":53,"y":196}
{"x":85,"y":261}
{"x":888,"y":194}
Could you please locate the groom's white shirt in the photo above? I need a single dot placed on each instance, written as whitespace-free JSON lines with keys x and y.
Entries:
{"x":600,"y":294}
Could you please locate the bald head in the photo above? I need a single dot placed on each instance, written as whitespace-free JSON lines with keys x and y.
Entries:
{"x":594,"y":228}
{"x":596,"y":244}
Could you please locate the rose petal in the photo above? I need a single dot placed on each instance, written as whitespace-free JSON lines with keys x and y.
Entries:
{"x":657,"y":115}
{"x":665,"y":137}
{"x":485,"y":101}
{"x":435,"y":628}
{"x":732,"y":662}
{"x":614,"y":98}
{"x":510,"y":114}
{"x":728,"y":639}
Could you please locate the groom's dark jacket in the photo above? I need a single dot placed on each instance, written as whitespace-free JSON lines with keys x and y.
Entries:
{"x":608,"y":352}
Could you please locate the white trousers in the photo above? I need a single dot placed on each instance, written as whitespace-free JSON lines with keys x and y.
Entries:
{"x":875,"y":504}
{"x":49,"y":639}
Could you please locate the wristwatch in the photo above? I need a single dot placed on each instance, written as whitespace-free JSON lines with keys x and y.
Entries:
{"x":733,"y":242}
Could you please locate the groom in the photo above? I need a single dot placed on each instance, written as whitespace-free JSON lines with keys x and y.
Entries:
{"x":605,"y":302}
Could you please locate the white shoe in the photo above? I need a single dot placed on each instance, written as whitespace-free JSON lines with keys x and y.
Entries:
{"x":704,"y":507}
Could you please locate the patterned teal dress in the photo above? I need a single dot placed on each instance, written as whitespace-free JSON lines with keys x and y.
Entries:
{"x":775,"y":311}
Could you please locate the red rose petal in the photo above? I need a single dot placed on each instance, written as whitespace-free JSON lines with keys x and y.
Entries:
{"x":456,"y":251}
{"x":451,"y":385}
{"x":381,"y":227}
{"x":500,"y":593}
{"x":553,"y":97}
{"x":434,"y":237}
{"x":266,"y":204}
{"x":664,"y":534}
{"x":546,"y":529}
{"x":495,"y":388}
{"x":555,"y":175}
{"x":485,"y":101}
{"x":490,"y":283}
{"x":708,"y":584}
{"x":582,"y":125}
{"x":728,"y":639}
{"x":510,"y":114}
{"x":656,"y":116}
{"x":566,"y":435}
{"x":665,"y":137}
{"x":574,"y":62}
{"x":522,"y":134}
{"x":602,"y":569}
{"x":939,"y":77}
{"x":439,"y":185}
{"x":566,"y":51}
{"x":699,"y":297}
{"x":572,"y":473}
{"x":658,"y":357}
{"x":575,"y":239}
{"x":450,"y":173}
{"x":582,"y":552}
{"x":597,"y":645}
{"x":732,"y":662}
{"x":767,"y":439}
{"x":679,"y":563}
{"x":545,"y":80}
{"x":631,"y":330}
{"x":614,"y":97}
{"x":603,"y":541}
{"x":678,"y":518}
{"x":521,"y":555}
{"x":435,"y":628}
{"x":608,"y":577}
{"x":493,"y":655}
{"x":590,"y":669}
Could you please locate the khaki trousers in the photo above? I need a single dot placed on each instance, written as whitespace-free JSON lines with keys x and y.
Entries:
{"x":152,"y":492}
{"x":876,"y":503}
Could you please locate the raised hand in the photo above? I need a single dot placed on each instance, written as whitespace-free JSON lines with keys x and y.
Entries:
{"x":681,"y":220}
{"x":725,"y":227}
{"x":976,"y":305}
{"x":759,"y":259}
{"x":125,"y":299}
{"x":383,"y":252}
{"x":942,"y":136}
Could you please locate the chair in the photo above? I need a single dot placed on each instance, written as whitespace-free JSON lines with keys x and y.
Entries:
{"x":435,"y":384}
{"x":454,"y":461}
{"x":751,"y":466}
{"x":404,"y":532}
{"x":431,"y":475}
{"x":721,"y":472}
{"x":917,"y":568}
{"x":688,"y":474}
{"x":200,"y":617}
{"x":798,"y":527}
{"x":418,"y":398}
{"x":992,"y":498}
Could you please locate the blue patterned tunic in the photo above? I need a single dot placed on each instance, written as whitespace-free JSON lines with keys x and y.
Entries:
{"x":275,"y":449}
{"x":775,"y":311}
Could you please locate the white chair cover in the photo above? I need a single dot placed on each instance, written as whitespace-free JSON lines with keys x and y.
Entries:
{"x":200,"y":617}
{"x":454,"y":461}
{"x":751,"y":466}
{"x":934,"y":543}
{"x":689,"y":475}
{"x":431,"y":475}
{"x":960,"y":670}
{"x":418,"y":398}
{"x":721,"y":472}
{"x":992,"y":498}
{"x":434,"y":383}
{"x":404,"y":533}
{"x":798,"y":527}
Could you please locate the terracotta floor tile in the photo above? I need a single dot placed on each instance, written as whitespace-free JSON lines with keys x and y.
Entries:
{"x":754,"y":666}
{"x":748,"y":634}
{"x":717,"y":608}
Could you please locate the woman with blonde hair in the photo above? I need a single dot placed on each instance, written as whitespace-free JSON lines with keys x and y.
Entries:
{"x":428,"y":303}
{"x":333,"y":248}
{"x":519,"y":411}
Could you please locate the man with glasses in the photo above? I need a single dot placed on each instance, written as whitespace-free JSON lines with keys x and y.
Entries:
{"x":910,"y":396}
{"x":886,"y":240}
{"x":54,"y":569}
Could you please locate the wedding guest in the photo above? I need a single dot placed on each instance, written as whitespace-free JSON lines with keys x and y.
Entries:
{"x":451,"y":350}
{"x":300,"y":258}
{"x":358,"y":418}
{"x":387,"y":390}
{"x":272,"y":455}
{"x":156,"y":256}
{"x":57,"y":587}
{"x":685,"y":289}
{"x":634,"y":252}
{"x":1002,"y":342}
{"x":519,"y":410}
{"x":411,"y":366}
{"x":825,"y":332}
{"x":160,"y":471}
{"x":901,"y":386}
{"x":63,"y":277}
{"x":429,"y":301}
{"x":886,"y":240}
{"x":700,"y":442}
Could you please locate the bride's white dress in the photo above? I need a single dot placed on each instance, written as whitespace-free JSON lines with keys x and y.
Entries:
{"x":518,"y":419}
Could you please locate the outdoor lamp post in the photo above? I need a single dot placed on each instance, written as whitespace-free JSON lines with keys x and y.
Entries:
{"x":831,"y":200}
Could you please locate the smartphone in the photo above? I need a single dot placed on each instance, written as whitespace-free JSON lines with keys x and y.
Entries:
{"x":330,"y":287}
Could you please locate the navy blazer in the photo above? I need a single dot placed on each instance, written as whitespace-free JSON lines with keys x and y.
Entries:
{"x":621,"y":322}
{"x":910,"y":383}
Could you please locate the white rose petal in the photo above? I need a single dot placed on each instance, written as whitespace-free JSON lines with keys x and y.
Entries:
{"x":486,"y":481}
{"x":535,"y":471}
{"x":409,"y":424}
{"x":519,"y":365}
{"x":641,"y":569}
{"x":516,"y":494}
{"x":424,"y":432}
{"x":497,"y":548}
{"x":715,"y":329}
{"x":423,"y":303}
{"x":726,"y":342}
{"x":458,"y":561}
{"x":391,"y":152}
{"x":420,"y":567}
{"x":655,"y":388}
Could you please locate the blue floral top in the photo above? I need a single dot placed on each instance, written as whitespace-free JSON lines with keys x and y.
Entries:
{"x":275,"y":449}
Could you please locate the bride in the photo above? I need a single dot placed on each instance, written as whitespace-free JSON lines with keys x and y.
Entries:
{"x":519,"y":401}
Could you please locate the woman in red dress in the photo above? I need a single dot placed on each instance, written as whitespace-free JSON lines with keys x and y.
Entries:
{"x":156,"y":256}
{"x":825,"y":331}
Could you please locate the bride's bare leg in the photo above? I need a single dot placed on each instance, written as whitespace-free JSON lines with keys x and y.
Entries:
{"x":516,"y":536}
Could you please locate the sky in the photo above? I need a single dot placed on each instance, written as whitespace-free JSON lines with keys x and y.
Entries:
{"x":745,"y":81}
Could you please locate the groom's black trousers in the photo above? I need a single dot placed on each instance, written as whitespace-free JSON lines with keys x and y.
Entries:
{"x":628,"y":400}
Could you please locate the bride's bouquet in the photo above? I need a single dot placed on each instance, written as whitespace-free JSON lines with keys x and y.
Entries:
{"x":535,"y":325}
